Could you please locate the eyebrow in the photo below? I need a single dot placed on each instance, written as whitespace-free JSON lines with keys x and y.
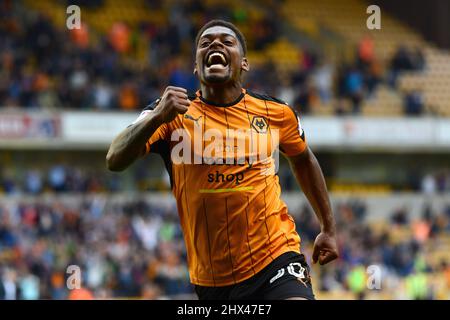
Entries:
{"x":212,"y":35}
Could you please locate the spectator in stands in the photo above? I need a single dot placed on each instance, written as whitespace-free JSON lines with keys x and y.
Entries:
{"x":418,"y":59}
{"x":8,"y":183}
{"x":372,"y":77}
{"x":28,"y":285}
{"x":103,"y":95}
{"x":54,"y":70}
{"x":80,"y":294}
{"x":366,"y":53}
{"x":128,"y":97}
{"x":356,"y":281}
{"x":8,"y":284}
{"x":428,"y":184}
{"x":443,"y":181}
{"x":33,"y":182}
{"x":306,"y":98}
{"x":119,"y":37}
{"x":80,"y":36}
{"x":57,"y":178}
{"x":400,"y":217}
{"x":105,"y":237}
{"x":323,"y":77}
{"x":405,"y":59}
{"x":413,"y":103}
{"x":286,"y":90}
{"x":402,"y":60}
{"x":417,"y":286}
{"x":354,"y":88}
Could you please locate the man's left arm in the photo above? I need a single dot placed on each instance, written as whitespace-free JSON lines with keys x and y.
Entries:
{"x":310,"y":177}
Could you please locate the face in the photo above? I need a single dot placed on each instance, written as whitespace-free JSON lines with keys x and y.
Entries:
{"x":219,"y":57}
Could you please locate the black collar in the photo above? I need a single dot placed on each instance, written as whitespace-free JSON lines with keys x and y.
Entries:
{"x":222,"y":104}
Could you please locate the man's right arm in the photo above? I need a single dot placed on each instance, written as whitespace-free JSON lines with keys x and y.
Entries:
{"x":129,"y":145}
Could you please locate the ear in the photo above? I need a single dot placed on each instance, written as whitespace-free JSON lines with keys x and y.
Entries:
{"x":195,"y":68}
{"x":245,"y":66}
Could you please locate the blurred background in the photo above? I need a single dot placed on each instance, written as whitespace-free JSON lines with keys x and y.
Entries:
{"x":375,"y":106}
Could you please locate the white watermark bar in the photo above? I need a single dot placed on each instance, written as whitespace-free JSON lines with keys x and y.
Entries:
{"x":234,"y":147}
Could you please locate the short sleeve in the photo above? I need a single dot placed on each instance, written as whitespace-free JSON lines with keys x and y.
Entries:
{"x":292,"y":136}
{"x":160,"y":134}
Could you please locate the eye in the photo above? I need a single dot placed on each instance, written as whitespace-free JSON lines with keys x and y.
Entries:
{"x":228,"y":42}
{"x":204,"y":44}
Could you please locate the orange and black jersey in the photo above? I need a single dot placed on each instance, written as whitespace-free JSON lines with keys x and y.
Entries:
{"x":222,"y":169}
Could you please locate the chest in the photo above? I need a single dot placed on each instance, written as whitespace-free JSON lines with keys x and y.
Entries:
{"x":227,"y":135}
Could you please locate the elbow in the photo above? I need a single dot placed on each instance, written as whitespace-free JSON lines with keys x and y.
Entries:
{"x":112,"y":164}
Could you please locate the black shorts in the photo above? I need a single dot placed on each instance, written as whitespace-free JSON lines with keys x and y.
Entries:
{"x":285,"y":277}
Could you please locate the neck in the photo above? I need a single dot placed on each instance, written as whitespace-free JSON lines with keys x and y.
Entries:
{"x":221,"y":94}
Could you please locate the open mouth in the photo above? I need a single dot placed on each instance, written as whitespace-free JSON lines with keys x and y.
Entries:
{"x":216,"y":58}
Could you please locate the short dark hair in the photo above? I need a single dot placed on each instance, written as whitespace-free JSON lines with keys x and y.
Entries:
{"x":226,"y":24}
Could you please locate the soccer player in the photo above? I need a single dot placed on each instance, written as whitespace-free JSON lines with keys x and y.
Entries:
{"x":218,"y":146}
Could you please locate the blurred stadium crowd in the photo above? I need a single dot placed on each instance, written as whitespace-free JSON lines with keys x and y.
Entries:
{"x":134,"y":248}
{"x":122,"y":250}
{"x":29,"y":179}
{"x":43,"y":68}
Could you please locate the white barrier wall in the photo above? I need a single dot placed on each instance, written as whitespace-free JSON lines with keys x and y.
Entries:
{"x":85,"y":130}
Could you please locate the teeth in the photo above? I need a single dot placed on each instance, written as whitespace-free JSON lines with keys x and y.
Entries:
{"x":217,"y":54}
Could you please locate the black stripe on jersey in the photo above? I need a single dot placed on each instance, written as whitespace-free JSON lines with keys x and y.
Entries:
{"x":264,"y":191}
{"x":204,"y":128}
{"x":209,"y":242}
{"x":250,"y":126}
{"x":248,"y":239}
{"x":226,"y":118}
{"x":287,"y":240}
{"x":187,"y":204}
{"x":229,"y":244}
{"x":187,"y":209}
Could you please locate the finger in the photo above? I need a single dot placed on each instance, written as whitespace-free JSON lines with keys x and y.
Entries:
{"x":180,"y":95}
{"x":327,"y":257}
{"x":181,"y":109}
{"x":174,"y":96}
{"x":316,"y":253}
{"x":184,"y":102}
{"x":178,"y":89}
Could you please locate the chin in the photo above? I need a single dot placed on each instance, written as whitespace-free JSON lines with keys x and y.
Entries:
{"x":216,"y":79}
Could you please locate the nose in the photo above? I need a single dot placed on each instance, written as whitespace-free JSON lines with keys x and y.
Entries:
{"x":215,"y":43}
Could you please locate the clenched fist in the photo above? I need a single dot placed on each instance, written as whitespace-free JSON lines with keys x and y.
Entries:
{"x":174,"y":101}
{"x":325,"y":248}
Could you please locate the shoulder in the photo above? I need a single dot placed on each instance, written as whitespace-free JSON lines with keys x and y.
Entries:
{"x":285,"y":110}
{"x":266,"y":97}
